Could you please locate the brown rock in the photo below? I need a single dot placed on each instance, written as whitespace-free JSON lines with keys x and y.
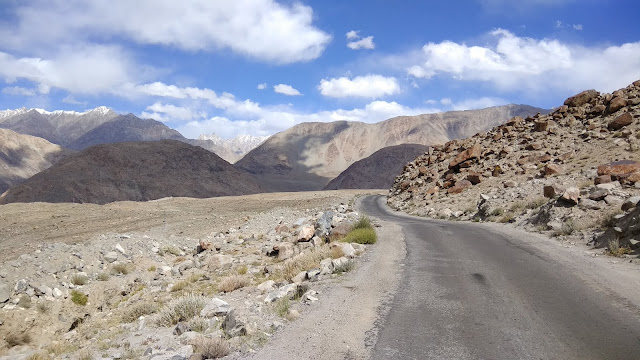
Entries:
{"x":284,"y":249}
{"x":471,"y":153}
{"x":602,"y":179}
{"x":616,"y":104}
{"x":552,"y":169}
{"x":534,"y":146}
{"x":432,"y":190}
{"x":306,"y":233}
{"x":497,"y":136}
{"x":571,"y":196}
{"x":474,"y":178}
{"x":510,"y":184}
{"x":544,"y":158}
{"x":541,"y":125}
{"x":598,"y":109}
{"x":204,"y":245}
{"x":422,"y":170}
{"x":633,"y":177}
{"x":582,"y":98}
{"x":621,"y":121}
{"x":619,"y":168}
{"x":552,"y":191}
{"x":459,"y":187}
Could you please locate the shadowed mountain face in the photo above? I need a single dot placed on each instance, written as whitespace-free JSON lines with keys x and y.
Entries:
{"x":379,"y":170}
{"x":22,"y":156}
{"x":136,"y":171}
{"x":309,"y":155}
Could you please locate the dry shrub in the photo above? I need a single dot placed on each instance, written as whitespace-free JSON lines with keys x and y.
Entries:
{"x":14,"y":339}
{"x":79,"y":279}
{"x":337,"y":252}
{"x":181,"y":309}
{"x":242,"y":270}
{"x":121,"y":269}
{"x":39,"y":356}
{"x":134,"y":312}
{"x":24,"y":301}
{"x":199,"y":324}
{"x":103,"y":276}
{"x":211,"y":348}
{"x":232,"y":282}
{"x":179,"y":286}
{"x":302,"y":262}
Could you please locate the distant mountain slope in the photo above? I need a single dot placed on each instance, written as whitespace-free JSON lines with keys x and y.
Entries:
{"x":58,"y":127}
{"x":22,"y":156}
{"x":379,"y":170}
{"x":136,"y":171}
{"x":233,"y":149}
{"x":307,"y":156}
{"x":126,"y":128}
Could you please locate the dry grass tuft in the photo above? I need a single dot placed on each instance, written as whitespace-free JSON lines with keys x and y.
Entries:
{"x":302,"y":262}
{"x":79,"y":279}
{"x":121,"y":269}
{"x":134,"y":312}
{"x":14,"y":339}
{"x":211,"y":348}
{"x":103,"y":276}
{"x":337,"y":252}
{"x":79,"y":298}
{"x":232,"y":282}
{"x":179,"y":286}
{"x":181,"y":309}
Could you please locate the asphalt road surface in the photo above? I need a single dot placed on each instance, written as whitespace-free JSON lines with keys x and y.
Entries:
{"x":469,"y":293}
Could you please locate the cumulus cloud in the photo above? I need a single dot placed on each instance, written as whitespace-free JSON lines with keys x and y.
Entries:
{"x":446,"y":101}
{"x":262,"y":29}
{"x":356,"y":42}
{"x":69,"y":99}
{"x":18,"y":91}
{"x":169,"y":112}
{"x":262,"y":86}
{"x":369,"y":86}
{"x":520,"y":63}
{"x":286,"y":90}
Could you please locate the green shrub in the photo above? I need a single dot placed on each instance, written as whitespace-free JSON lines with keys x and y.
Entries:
{"x":362,"y":223}
{"x":281,"y":307}
{"x":79,"y":298}
{"x":361,"y":236}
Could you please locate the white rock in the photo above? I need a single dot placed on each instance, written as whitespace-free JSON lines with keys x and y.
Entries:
{"x":111,"y":256}
{"x":120,"y":249}
{"x":286,"y":290}
{"x":215,"y":307}
{"x":266,"y":286}
{"x":57,"y":293}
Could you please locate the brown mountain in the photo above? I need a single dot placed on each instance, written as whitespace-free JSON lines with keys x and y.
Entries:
{"x":379,"y":170}
{"x":136,"y":171}
{"x":22,"y":156}
{"x":307,"y":156}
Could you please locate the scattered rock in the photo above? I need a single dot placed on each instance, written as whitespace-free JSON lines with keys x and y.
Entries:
{"x":581,"y":98}
{"x":571,"y":196}
{"x":5,"y":293}
{"x":620,"y":122}
{"x":630,"y":203}
{"x":232,"y":326}
{"x":215,"y":307}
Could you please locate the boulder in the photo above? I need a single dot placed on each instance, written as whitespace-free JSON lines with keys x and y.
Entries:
{"x":204,"y":245}
{"x":471,"y":153}
{"x":5,"y":293}
{"x":21,"y":286}
{"x":581,"y":98}
{"x":598,"y":194}
{"x":571,"y":196}
{"x":619,"y":168}
{"x":552,"y":169}
{"x":111,"y":256}
{"x":347,"y":248}
{"x":286,"y":290}
{"x":324,"y":223}
{"x":509,"y":184}
{"x":620,"y":122}
{"x":634,"y":244}
{"x":552,"y":191}
{"x":613,"y":200}
{"x":608,"y":186}
{"x":266,"y":286}
{"x":630,"y":203}
{"x":215,"y":307}
{"x":284,"y":249}
{"x":306,"y":233}
{"x":326,"y":266}
{"x":233,"y":327}
{"x":616,"y":104}
{"x":602,"y":179}
{"x":474,"y":178}
{"x":589,"y":204}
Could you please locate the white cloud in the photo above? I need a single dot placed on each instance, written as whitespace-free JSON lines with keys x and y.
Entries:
{"x":286,"y":90}
{"x":69,"y":99}
{"x":577,"y":27}
{"x":478,"y":103}
{"x":262,"y":29}
{"x":262,"y":86}
{"x":18,"y":91}
{"x":351,"y":35}
{"x":518,"y":63}
{"x":369,"y":86}
{"x":364,"y":43}
{"x":521,"y":5}
{"x":446,"y":101}
{"x":168,"y":112}
{"x":82,"y":69}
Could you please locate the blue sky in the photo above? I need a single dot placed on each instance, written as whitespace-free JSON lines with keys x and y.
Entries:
{"x":261,"y":66}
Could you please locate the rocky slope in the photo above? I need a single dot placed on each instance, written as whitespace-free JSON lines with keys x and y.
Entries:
{"x":157,"y":294}
{"x":573,"y":172}
{"x":22,"y":156}
{"x":309,"y":155}
{"x":58,"y":127}
{"x":377,"y":171}
{"x":134,"y":171}
{"x":233,"y":149}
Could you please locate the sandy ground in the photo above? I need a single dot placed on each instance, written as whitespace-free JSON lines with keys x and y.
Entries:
{"x":24,"y":227}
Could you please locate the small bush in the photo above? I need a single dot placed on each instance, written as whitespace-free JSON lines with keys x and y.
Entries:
{"x":242,"y":270}
{"x":362,"y":223}
{"x":79,"y":298}
{"x":281,"y":306}
{"x":536,"y":203}
{"x":609,"y":220}
{"x":120,"y":269}
{"x":507,"y":218}
{"x":345,"y":267}
{"x":24,"y":301}
{"x":199,"y":324}
{"x":614,"y":248}
{"x":179,"y":286}
{"x":568,"y":227}
{"x":302,"y":262}
{"x":39,"y":356}
{"x":497,"y":212}
{"x":211,"y":348}
{"x":102,"y":276}
{"x":17,"y":339}
{"x":337,"y":252}
{"x":172,"y":250}
{"x":181,"y":309}
{"x":42,"y":307}
{"x":195,"y":277}
{"x":79,"y":279}
{"x":517,"y":207}
{"x":132,"y":313}
{"x":152,"y":268}
{"x":361,"y":236}
{"x":232,"y":282}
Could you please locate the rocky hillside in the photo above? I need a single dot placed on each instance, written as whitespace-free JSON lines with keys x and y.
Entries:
{"x":58,"y":127}
{"x":574,"y":172}
{"x":377,"y":171}
{"x":309,"y":155}
{"x":22,"y":156}
{"x":134,"y":171}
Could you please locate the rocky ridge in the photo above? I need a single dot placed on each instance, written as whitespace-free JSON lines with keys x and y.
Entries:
{"x":573,"y":173}
{"x":153,"y":297}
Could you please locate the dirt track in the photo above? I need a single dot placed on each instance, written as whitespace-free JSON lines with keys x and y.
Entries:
{"x":23,"y":227}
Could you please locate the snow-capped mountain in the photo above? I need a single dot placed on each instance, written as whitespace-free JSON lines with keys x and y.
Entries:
{"x":238,"y":146}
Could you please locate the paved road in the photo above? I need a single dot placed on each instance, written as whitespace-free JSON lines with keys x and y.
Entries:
{"x":469,"y":293}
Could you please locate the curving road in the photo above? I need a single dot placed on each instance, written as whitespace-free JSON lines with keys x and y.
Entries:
{"x":470,"y":293}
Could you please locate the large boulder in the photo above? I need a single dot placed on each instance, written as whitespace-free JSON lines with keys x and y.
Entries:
{"x":620,"y":122}
{"x":471,"y":153}
{"x":582,"y":98}
{"x":619,"y":168}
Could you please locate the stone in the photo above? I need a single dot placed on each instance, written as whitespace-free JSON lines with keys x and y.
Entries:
{"x":111,"y":256}
{"x":204,"y":245}
{"x":324,"y":223}
{"x":300,"y":222}
{"x":552,"y":169}
{"x":466,"y":155}
{"x":630,"y":203}
{"x":602,"y":179}
{"x":616,"y":104}
{"x":618,"y":168}
{"x":340,"y":263}
{"x":5,"y":293}
{"x":284,"y":249}
{"x":581,"y":98}
{"x":180,"y":329}
{"x":44,"y":290}
{"x":589,"y":204}
{"x":233,"y":327}
{"x":347,"y":249}
{"x":509,"y":184}
{"x":474,"y":178}
{"x":598,"y":194}
{"x":571,"y":195}
{"x":57,"y":293}
{"x":220,"y":261}
{"x":286,"y":290}
{"x":266,"y":286}
{"x":620,"y":122}
{"x":306,"y":233}
{"x":613,"y":200}
{"x":302,"y":276}
{"x":317,"y":242}
{"x":634,"y":244}
{"x":541,"y":125}
{"x":21,"y":286}
{"x":313,"y":275}
{"x":326,"y":267}
{"x":215,"y":307}
{"x":552,"y":191}
{"x":608,"y":186}
{"x":120,"y":249}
